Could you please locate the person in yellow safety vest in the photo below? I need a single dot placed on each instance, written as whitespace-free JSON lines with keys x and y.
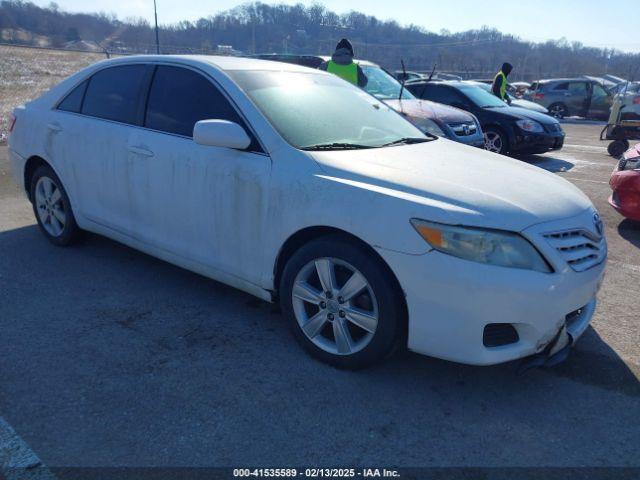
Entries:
{"x":342,"y":65}
{"x":499,"y":87}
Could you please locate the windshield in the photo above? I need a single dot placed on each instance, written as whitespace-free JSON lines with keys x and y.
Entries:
{"x":487,"y":88}
{"x":382,"y":85}
{"x":314,"y":109}
{"x":482,"y":98}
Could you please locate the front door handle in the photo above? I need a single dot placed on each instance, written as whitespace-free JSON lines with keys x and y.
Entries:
{"x":145,"y":152}
{"x":54,"y":127}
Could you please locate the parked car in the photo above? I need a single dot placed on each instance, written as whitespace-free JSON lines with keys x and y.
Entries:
{"x":434,"y":118}
{"x":566,"y":97}
{"x":294,"y":185}
{"x":625,"y":183}
{"x":506,"y":129}
{"x":516,"y":102}
{"x":407,"y":76}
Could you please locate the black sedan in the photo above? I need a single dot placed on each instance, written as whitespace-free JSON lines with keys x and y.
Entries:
{"x":506,"y":129}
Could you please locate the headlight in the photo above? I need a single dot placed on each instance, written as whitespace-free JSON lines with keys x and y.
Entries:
{"x":495,"y":247}
{"x":530,"y":126}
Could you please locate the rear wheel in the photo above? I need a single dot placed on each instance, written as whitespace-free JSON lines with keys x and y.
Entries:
{"x":341,"y":302}
{"x":495,"y":140}
{"x":558,"y":110}
{"x":618,"y":147}
{"x":52,"y":208}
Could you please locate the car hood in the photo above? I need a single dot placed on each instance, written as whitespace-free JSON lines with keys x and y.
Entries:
{"x":426,"y":109}
{"x":447,"y":182}
{"x":519,"y":102}
{"x":524,"y":113}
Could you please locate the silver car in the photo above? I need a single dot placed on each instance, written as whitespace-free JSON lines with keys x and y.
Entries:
{"x":566,"y":97}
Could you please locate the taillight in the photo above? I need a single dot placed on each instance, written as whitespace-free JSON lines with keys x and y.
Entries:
{"x":12,"y":122}
{"x":538,"y":96}
{"x":636,"y":100}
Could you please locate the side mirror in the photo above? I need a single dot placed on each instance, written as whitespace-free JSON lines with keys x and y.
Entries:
{"x":220,"y":133}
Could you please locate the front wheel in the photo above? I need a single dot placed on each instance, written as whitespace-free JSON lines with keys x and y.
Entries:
{"x":495,"y":141}
{"x":618,"y":147}
{"x":342,"y":303}
{"x":52,"y":208}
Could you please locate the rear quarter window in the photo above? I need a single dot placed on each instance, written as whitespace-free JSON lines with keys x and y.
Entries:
{"x":73,"y":101}
{"x":114,"y":93}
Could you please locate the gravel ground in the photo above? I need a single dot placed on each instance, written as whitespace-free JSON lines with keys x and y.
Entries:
{"x":109,"y":357}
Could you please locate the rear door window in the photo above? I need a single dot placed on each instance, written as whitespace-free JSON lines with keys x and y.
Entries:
{"x":578,"y":88}
{"x":114,"y":93}
{"x":180,"y":97}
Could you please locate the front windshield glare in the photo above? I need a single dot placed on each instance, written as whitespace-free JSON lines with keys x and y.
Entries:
{"x":310,"y":109}
{"x":481,"y":97}
{"x":383,"y":86}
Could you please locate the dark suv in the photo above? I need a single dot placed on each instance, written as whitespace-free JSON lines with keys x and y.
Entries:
{"x":571,"y":96}
{"x":506,"y":129}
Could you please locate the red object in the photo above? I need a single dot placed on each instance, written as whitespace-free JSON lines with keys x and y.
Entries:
{"x":636,"y":100}
{"x":12,"y":122}
{"x":538,"y":96}
{"x":626,"y":188}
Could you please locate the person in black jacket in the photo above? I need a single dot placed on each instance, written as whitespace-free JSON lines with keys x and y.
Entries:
{"x":342,"y":65}
{"x":499,"y":87}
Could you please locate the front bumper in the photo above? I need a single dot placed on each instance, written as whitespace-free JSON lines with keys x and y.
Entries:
{"x":450,"y":301}
{"x":525,"y":142}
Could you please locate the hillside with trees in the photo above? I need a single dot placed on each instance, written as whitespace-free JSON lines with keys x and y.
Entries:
{"x":265,"y":28}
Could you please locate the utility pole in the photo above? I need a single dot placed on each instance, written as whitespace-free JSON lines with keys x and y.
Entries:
{"x":155,"y":13}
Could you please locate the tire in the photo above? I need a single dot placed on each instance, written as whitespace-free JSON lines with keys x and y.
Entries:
{"x":618,"y":147}
{"x":495,"y":140}
{"x":52,"y":208}
{"x":353,"y":332}
{"x":558,"y":110}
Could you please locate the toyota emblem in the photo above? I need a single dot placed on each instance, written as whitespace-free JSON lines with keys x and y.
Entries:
{"x":597,"y":222}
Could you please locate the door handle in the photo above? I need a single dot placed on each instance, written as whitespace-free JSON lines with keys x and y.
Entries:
{"x":145,"y":152}
{"x":54,"y":127}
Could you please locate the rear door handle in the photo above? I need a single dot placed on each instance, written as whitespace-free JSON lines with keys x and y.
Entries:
{"x":145,"y":152}
{"x":54,"y":127}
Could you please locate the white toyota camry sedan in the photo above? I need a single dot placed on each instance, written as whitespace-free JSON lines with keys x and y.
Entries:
{"x":295,"y":186}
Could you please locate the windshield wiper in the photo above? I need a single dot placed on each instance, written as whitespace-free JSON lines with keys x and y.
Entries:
{"x":409,"y":141}
{"x":336,"y":146}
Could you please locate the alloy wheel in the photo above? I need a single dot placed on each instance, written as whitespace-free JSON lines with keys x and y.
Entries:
{"x":50,"y":206}
{"x":557,"y":111}
{"x":493,"y":141}
{"x":335,"y":306}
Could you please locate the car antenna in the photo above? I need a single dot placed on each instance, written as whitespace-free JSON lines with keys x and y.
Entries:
{"x":404,"y":79}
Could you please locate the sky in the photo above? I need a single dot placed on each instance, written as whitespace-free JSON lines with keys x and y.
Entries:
{"x":595,"y":23}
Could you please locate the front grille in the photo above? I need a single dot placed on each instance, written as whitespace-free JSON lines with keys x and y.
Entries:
{"x":499,"y":334}
{"x":581,"y":249}
{"x":553,"y":127}
{"x":463,"y":129}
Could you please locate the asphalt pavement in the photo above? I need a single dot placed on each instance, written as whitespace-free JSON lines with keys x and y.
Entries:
{"x":109,"y":357}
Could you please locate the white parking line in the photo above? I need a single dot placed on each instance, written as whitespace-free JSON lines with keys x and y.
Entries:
{"x":587,"y":148}
{"x":17,"y":460}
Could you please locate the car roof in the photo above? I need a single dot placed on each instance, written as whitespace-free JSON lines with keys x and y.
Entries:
{"x":292,"y":57}
{"x":225,"y":63}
